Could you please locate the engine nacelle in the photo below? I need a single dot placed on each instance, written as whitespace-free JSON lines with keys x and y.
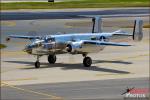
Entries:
{"x":81,"y":47}
{"x":73,"y":47}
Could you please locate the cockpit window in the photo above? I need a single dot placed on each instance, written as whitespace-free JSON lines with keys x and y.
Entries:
{"x":51,"y":39}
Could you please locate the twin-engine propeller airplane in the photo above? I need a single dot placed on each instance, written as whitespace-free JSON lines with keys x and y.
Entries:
{"x":77,"y":43}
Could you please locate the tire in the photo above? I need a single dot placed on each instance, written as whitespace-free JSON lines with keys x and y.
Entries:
{"x":37,"y":64}
{"x":52,"y":59}
{"x":87,"y":61}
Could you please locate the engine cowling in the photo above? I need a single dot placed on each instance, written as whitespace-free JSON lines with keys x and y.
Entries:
{"x":82,"y":47}
{"x":74,"y":47}
{"x":69,"y":48}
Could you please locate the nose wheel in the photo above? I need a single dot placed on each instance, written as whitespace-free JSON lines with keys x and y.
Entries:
{"x":87,"y":61}
{"x":37,"y":63}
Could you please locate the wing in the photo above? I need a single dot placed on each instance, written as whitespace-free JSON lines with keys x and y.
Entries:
{"x":103,"y":43}
{"x":24,"y":37}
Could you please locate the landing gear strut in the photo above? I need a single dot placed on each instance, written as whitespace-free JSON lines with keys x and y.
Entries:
{"x":52,"y":59}
{"x":37,"y":63}
{"x":87,"y":61}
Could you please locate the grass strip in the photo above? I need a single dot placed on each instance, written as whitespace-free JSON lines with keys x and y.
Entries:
{"x":75,"y":4}
{"x":2,"y":46}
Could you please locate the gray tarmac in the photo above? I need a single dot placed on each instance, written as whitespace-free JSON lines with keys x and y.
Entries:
{"x":113,"y":70}
{"x":64,"y":14}
{"x":113,"y":89}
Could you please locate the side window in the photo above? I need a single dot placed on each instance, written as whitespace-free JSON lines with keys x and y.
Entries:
{"x":93,"y":38}
{"x":102,"y":38}
{"x":53,"y":39}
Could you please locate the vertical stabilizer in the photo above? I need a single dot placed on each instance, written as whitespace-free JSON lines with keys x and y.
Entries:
{"x":138,"y":30}
{"x":97,"y":25}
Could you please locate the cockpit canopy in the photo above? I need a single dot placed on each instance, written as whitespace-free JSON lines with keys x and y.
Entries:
{"x":49,"y":39}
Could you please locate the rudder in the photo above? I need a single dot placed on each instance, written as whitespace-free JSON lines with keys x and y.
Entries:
{"x":97,"y":25}
{"x":138,"y":30}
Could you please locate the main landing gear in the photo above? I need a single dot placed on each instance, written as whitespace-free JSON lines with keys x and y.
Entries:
{"x":87,"y":61}
{"x":51,"y":60}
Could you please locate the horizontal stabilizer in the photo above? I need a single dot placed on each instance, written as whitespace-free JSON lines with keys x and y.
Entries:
{"x":24,"y":37}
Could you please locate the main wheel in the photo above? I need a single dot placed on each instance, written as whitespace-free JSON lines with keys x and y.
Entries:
{"x":37,"y":64}
{"x":51,"y":59}
{"x":87,"y":61}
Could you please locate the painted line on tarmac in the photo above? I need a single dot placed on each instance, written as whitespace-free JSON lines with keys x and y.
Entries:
{"x":2,"y":84}
{"x":11,"y":69}
{"x":31,"y":91}
{"x":68,"y":26}
{"x":21,"y":79}
{"x":9,"y":23}
{"x":8,"y":70}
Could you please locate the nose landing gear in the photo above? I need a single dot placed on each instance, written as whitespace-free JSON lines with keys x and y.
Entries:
{"x":51,"y":60}
{"x":37,"y":63}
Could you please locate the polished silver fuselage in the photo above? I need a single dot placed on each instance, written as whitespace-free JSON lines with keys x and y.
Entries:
{"x":57,"y":43}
